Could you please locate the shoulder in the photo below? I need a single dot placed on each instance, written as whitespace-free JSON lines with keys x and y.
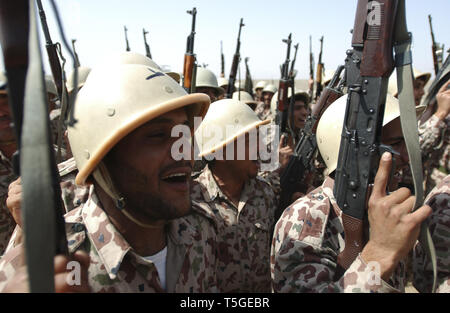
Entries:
{"x":305,"y":220}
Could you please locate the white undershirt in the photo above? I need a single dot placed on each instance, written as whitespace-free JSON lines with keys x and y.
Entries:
{"x":159,"y":260}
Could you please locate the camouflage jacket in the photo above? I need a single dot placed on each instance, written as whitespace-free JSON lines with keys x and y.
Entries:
{"x":244,"y":232}
{"x":262,"y":113}
{"x":434,"y":138}
{"x":439,"y":226}
{"x":73,"y":195}
{"x":307,"y":241}
{"x":7,"y":222}
{"x":114,"y":265}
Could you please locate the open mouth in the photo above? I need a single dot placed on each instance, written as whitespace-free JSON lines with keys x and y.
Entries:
{"x":177,"y":179}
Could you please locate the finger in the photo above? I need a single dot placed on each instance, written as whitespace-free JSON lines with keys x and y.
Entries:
{"x":404,"y":208}
{"x":382,"y":176}
{"x":444,"y":87}
{"x":61,"y":263}
{"x":420,"y":215}
{"x":399,"y":196}
{"x":82,"y":257}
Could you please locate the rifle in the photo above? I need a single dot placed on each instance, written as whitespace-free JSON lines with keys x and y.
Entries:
{"x":301,"y":162}
{"x":190,"y":61}
{"x":437,"y":49}
{"x":235,"y":64}
{"x":147,"y":47}
{"x":311,"y":68}
{"x":52,"y":52}
{"x":75,"y":53}
{"x":320,"y":69}
{"x":125,"y":29}
{"x":378,"y":26}
{"x":248,"y":79}
{"x":292,"y":72}
{"x":42,"y":208}
{"x":222,"y":61}
{"x":283,"y":87}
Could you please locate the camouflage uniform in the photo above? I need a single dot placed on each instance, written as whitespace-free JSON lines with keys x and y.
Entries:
{"x":7,"y":222}
{"x":73,"y":195}
{"x":307,"y":241}
{"x":116,"y":267}
{"x":439,"y":225}
{"x":244,"y":232}
{"x":434,"y":138}
{"x":259,"y":110}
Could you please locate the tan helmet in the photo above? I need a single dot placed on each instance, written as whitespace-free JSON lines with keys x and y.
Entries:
{"x":299,"y":94}
{"x":260,"y":85}
{"x":115,"y":101}
{"x":130,"y":57}
{"x":329,"y":129}
{"x":83,"y":73}
{"x":392,"y":85}
{"x":222,"y":82}
{"x":233,"y":118}
{"x":50,"y":85}
{"x":245,"y":97}
{"x":270,"y":88}
{"x":206,"y":78}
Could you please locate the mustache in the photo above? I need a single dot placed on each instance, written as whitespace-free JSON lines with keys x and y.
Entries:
{"x":175,"y":165}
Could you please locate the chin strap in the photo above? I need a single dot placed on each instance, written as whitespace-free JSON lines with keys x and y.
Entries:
{"x":102,"y":177}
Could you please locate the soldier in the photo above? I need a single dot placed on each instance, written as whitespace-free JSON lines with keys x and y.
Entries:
{"x":206,"y":82}
{"x":74,"y":195}
{"x":309,"y":236}
{"x":8,"y":146}
{"x":263,"y":110}
{"x":434,"y":138}
{"x":241,"y":202}
{"x":439,"y":225}
{"x":420,"y":81}
{"x":258,"y":90}
{"x":139,"y":227}
{"x":223,"y":83}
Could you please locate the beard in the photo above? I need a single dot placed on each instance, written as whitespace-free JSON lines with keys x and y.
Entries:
{"x":156,"y":208}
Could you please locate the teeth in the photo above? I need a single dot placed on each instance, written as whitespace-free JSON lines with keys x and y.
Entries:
{"x":175,"y":175}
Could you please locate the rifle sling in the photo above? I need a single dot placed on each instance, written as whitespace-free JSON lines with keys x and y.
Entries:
{"x":403,"y":61}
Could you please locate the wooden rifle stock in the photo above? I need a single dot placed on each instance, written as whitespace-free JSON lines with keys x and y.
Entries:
{"x":188,"y":70}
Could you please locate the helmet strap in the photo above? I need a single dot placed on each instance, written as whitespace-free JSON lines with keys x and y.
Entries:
{"x":103,"y":178}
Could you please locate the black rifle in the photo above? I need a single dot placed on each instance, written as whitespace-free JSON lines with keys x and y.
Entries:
{"x":75,"y":53}
{"x":295,"y":176}
{"x":311,"y":69}
{"x":190,"y":60}
{"x":125,"y":29}
{"x":42,"y":209}
{"x":368,"y":67}
{"x":235,"y":64}
{"x":320,"y":69}
{"x":437,"y":49}
{"x":147,"y":47}
{"x":283,"y":89}
{"x":248,"y":79}
{"x":222,"y":61}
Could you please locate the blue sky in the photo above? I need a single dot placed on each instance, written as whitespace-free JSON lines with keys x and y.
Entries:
{"x":98,"y":27}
